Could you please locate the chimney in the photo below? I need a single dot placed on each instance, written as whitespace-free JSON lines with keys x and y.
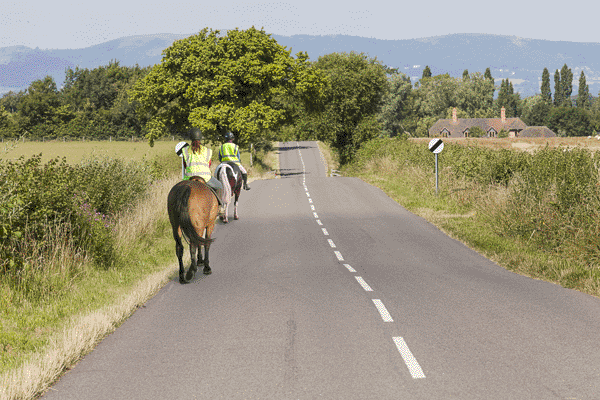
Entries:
{"x":454,"y":119}
{"x":503,"y":115}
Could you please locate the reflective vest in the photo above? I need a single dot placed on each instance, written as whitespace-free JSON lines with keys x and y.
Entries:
{"x":229,"y":152}
{"x":198,"y":164}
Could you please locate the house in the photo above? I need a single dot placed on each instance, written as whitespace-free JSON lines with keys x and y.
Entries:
{"x":459,"y":128}
{"x":537,"y":131}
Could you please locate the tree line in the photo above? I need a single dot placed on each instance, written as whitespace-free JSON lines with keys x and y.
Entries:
{"x":246,"y":82}
{"x":91,"y":104}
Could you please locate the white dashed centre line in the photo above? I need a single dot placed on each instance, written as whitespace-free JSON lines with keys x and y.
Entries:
{"x":339,"y":255}
{"x":325,"y":231}
{"x":349,"y":268}
{"x":383,"y":311}
{"x":307,"y":194}
{"x":312,"y":207}
{"x":331,"y":243}
{"x":363,"y":284}
{"x":310,"y":200}
{"x":411,"y":362}
{"x":315,"y":214}
{"x":319,"y":222}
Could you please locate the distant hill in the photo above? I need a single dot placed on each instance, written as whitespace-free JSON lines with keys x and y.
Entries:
{"x":521,"y":60}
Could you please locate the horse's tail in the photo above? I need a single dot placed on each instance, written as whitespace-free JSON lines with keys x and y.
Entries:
{"x":181,"y":207}
{"x":225,"y":183}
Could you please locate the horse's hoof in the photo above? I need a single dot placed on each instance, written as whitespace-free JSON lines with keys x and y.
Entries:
{"x":190,"y":275}
{"x":225,"y":221}
{"x":236,"y":217}
{"x":207,"y":271}
{"x":182,"y":279}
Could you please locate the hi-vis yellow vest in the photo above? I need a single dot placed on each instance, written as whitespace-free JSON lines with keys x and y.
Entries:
{"x":198,"y":164}
{"x":229,"y":152}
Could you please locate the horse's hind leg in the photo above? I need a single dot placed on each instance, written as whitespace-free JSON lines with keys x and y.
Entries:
{"x":179,"y":252}
{"x":194,"y":266}
{"x":207,"y":270}
{"x":235,"y":205}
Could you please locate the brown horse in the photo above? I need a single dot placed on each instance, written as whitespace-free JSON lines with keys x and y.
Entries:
{"x":192,"y":211}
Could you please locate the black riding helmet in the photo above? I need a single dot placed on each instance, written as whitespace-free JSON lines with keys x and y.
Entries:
{"x":228,"y":135}
{"x":195,"y":134}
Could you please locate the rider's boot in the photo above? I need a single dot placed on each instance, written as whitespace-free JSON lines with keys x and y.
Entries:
{"x":245,"y":179}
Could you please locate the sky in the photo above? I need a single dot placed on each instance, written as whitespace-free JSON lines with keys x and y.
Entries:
{"x":62,"y":24}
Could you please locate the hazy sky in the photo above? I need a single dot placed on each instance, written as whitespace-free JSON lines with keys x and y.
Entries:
{"x":61,"y":24}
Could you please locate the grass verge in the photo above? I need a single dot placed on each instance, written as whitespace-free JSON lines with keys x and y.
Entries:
{"x":45,"y":341}
{"x":466,"y":211}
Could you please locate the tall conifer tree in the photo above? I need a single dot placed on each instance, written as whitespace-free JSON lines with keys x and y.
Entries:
{"x":583,"y":95}
{"x":566,"y":83}
{"x":488,"y":76}
{"x":545,"y":89}
{"x":465,"y":74}
{"x":427,"y":72}
{"x":558,"y":92}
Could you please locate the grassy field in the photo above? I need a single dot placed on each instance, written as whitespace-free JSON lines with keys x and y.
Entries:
{"x":41,"y":340}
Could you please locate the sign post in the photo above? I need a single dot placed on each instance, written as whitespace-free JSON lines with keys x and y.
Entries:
{"x":436,"y":146}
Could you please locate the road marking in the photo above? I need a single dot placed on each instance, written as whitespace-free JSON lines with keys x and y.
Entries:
{"x":307,"y":194}
{"x":310,"y":200}
{"x":319,"y":222}
{"x":305,"y":188}
{"x":363,"y":284}
{"x":315,"y":214}
{"x":312,"y":207}
{"x":331,"y":243}
{"x":325,"y":231}
{"x":339,"y":255}
{"x":383,"y":311}
{"x":349,"y":268}
{"x":411,"y":362}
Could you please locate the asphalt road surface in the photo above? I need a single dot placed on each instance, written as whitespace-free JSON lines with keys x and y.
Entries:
{"x":326,"y":288}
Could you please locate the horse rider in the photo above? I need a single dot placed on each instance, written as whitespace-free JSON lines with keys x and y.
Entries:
{"x":197,"y":161}
{"x":230,"y":151}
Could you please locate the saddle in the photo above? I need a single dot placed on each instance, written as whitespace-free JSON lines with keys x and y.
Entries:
{"x":226,"y":165}
{"x":200,"y":179}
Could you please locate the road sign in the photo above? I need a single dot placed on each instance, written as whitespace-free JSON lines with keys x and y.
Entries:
{"x":436,"y":146}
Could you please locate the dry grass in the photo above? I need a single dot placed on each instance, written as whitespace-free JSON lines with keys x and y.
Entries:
{"x":525,"y":144}
{"x":328,"y":157}
{"x":79,"y":337}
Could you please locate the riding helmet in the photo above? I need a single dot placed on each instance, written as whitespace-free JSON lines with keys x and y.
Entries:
{"x":229,"y":135}
{"x":179,"y":148}
{"x":195,"y":134}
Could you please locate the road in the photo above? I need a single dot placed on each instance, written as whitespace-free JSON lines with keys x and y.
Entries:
{"x":327,"y":288}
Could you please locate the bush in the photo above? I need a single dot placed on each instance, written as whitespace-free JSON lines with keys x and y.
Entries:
{"x":84,"y":198}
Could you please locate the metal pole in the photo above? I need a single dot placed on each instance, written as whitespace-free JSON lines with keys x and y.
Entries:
{"x":436,"y":174}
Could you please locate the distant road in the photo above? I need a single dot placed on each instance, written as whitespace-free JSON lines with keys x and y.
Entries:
{"x":354,"y":299}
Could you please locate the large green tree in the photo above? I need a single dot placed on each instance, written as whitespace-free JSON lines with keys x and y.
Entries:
{"x":570,"y":121}
{"x":397,"y":108}
{"x":212,"y":81}
{"x":353,"y":98}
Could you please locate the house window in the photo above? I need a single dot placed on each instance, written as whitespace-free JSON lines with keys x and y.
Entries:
{"x":466,"y":132}
{"x":492,"y":133}
{"x":444,"y":133}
